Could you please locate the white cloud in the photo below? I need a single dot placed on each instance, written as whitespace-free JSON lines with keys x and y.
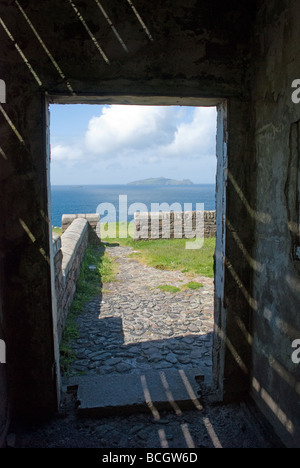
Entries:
{"x":123,"y":130}
{"x":65,"y":153}
{"x":196,"y":138}
{"x":124,"y":139}
{"x":151,"y":133}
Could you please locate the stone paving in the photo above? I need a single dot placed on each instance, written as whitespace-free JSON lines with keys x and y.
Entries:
{"x":231,"y":426}
{"x":135,"y":327}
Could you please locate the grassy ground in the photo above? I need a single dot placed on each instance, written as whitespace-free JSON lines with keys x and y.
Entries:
{"x":57,"y":230}
{"x":175,"y":289}
{"x":168,"y":254}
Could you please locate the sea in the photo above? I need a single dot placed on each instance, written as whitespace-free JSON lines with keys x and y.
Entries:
{"x":119,"y":202}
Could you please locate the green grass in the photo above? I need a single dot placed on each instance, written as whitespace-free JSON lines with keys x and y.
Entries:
{"x":194,"y":285}
{"x":169,"y":254}
{"x":169,"y":288}
{"x":174,"y":289}
{"x":57,"y":230}
{"x":89,"y":284}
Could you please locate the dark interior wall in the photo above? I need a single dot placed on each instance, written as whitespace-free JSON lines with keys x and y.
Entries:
{"x":233,"y":312}
{"x":189,"y":50}
{"x":275,"y":377}
{"x":4,"y":405}
{"x":189,"y":47}
{"x":26,"y":299}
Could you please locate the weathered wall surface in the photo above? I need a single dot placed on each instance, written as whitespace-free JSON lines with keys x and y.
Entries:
{"x":69,"y":252}
{"x":276,"y":296}
{"x":180,"y":225}
{"x":4,"y":405}
{"x":25,"y":256}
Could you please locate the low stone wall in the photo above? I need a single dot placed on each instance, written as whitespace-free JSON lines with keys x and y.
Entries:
{"x":178,"y":224}
{"x":68,"y":253}
{"x":94,"y":225}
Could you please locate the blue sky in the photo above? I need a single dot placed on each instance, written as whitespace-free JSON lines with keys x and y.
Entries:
{"x":98,"y":145}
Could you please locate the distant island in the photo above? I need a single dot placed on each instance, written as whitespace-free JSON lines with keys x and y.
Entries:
{"x":161,"y":181}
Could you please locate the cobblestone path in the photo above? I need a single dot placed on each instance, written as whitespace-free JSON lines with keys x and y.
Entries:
{"x":135,"y":326}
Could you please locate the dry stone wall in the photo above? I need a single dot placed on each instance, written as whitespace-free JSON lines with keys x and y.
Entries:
{"x":68,"y":251}
{"x":181,"y":225}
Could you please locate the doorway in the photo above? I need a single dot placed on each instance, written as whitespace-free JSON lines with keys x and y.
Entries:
{"x":220,"y":199}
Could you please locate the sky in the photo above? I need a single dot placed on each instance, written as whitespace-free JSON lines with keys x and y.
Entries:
{"x":118,"y":144}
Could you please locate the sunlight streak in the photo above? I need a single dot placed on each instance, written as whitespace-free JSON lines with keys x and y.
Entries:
{"x":169,"y":394}
{"x":140,"y":20}
{"x":103,"y":55}
{"x":111,"y":25}
{"x":190,"y":390}
{"x":284,"y":374}
{"x":162,"y":438}
{"x":251,"y":301}
{"x":55,"y":64}
{"x":12,"y":125}
{"x":273,"y":406}
{"x":253,"y":263}
{"x":3,"y":154}
{"x":21,"y":52}
{"x":211,"y":432}
{"x":232,"y":349}
{"x":262,"y":217}
{"x":287,"y":329}
{"x":293,"y":282}
{"x":27,"y":230}
{"x":33,"y":240}
{"x":187,"y":435}
{"x":244,"y":330}
{"x":148,"y":399}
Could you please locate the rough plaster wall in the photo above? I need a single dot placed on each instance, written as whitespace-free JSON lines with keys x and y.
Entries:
{"x":189,"y":43}
{"x":277,"y":275}
{"x":4,"y":407}
{"x":233,"y":277}
{"x":196,"y":49}
{"x":25,"y":256}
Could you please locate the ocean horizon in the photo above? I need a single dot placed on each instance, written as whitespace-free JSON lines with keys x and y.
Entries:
{"x":118,"y":201}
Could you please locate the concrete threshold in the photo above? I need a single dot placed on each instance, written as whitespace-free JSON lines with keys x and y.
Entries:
{"x":151,"y":391}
